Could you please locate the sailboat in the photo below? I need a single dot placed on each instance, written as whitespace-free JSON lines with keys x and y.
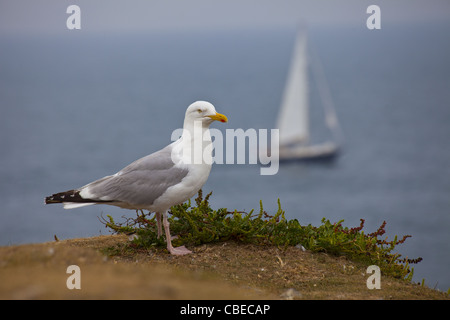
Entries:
{"x":293,"y":118}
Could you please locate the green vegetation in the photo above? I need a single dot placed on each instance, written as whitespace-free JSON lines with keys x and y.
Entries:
{"x":195,"y":225}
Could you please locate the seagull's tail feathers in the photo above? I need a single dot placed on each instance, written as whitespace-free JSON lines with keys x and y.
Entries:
{"x":73,"y":205}
{"x":71,"y":199}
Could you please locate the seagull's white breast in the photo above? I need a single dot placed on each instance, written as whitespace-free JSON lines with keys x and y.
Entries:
{"x":193,"y":181}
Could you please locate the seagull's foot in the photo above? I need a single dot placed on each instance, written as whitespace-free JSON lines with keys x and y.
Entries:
{"x":179,"y":251}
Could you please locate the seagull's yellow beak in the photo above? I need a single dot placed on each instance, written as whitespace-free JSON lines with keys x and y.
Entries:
{"x":219,"y":117}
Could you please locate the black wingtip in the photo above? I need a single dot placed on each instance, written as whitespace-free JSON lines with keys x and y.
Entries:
{"x":66,"y":196}
{"x":71,"y":196}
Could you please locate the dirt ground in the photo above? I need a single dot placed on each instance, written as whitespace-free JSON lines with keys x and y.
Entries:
{"x":227,"y":270}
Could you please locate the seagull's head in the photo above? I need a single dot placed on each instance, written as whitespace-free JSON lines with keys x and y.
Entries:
{"x":205,"y":112}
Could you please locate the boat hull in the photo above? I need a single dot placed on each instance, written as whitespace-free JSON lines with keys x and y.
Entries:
{"x":320,"y":152}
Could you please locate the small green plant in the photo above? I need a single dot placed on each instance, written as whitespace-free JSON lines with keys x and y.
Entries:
{"x":195,"y":225}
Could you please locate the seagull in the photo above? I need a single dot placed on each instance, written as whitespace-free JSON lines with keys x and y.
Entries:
{"x":160,"y":180}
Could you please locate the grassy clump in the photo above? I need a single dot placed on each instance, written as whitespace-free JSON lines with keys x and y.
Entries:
{"x":195,"y":225}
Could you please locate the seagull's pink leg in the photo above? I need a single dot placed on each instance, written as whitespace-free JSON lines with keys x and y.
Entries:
{"x":175,"y":251}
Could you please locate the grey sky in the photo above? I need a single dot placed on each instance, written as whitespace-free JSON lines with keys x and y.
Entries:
{"x":100,"y":16}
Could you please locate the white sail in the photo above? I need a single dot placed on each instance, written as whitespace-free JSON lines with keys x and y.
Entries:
{"x":293,"y":119}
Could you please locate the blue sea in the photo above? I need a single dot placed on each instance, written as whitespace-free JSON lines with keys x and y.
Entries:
{"x":76,"y":107}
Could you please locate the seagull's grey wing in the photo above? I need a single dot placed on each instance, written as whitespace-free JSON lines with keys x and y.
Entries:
{"x":140,"y":183}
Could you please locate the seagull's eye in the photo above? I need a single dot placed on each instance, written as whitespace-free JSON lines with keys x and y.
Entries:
{"x":199,"y":110}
